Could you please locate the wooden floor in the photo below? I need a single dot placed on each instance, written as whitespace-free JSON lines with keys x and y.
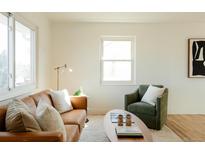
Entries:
{"x":188,"y":127}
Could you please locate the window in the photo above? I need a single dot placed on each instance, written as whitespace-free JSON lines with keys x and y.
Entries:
{"x":17,"y":56}
{"x":117,"y":60}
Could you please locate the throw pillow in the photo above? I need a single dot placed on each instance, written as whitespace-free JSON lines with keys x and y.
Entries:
{"x":152,"y":94}
{"x":61,"y":101}
{"x":20,"y":119}
{"x":49,"y":119}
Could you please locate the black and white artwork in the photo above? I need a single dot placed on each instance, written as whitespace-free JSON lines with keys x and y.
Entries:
{"x":196,"y":58}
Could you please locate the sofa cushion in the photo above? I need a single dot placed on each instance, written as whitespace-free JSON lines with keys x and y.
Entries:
{"x":73,"y":133}
{"x":20,"y":119}
{"x":45,"y":95}
{"x":30,"y":104}
{"x":49,"y":119}
{"x":77,"y":117}
{"x":61,"y":101}
{"x":142,"y":107}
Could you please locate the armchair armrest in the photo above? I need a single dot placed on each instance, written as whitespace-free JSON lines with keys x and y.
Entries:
{"x":131,"y":98}
{"x":161,"y":107}
{"x":79,"y":102}
{"x":44,"y":136}
{"x":162,"y":101}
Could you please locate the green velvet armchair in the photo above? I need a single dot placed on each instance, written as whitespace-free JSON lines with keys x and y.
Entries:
{"x":153,"y":116}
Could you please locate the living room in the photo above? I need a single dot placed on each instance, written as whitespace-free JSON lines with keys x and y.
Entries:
{"x":136,"y":65}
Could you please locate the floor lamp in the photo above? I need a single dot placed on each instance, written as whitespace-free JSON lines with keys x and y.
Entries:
{"x":58,"y":69}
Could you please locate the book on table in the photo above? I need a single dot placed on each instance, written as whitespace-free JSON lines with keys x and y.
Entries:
{"x":128,"y":131}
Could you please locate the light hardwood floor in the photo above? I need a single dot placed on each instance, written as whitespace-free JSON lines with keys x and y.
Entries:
{"x":188,"y":127}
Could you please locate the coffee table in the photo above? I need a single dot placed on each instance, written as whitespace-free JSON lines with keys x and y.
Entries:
{"x":110,"y":128}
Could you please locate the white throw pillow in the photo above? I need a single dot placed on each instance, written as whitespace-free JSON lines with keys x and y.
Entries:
{"x":152,"y":94}
{"x":49,"y":119}
{"x":61,"y":101}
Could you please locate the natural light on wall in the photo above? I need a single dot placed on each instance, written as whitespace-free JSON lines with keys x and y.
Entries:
{"x":117,"y":60}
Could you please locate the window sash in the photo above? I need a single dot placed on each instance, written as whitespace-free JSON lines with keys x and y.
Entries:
{"x":116,"y":64}
{"x":32,"y":44}
{"x":33,"y":29}
{"x":110,"y":53}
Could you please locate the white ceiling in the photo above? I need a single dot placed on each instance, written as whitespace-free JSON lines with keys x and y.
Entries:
{"x":138,"y":17}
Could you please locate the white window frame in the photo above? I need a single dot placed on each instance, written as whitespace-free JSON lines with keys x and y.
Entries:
{"x":12,"y":90}
{"x":133,"y":59}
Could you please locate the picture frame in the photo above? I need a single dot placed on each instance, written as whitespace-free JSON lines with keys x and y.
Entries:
{"x":196,"y":57}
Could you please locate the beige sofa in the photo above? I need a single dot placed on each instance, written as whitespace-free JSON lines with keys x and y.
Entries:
{"x":74,"y":120}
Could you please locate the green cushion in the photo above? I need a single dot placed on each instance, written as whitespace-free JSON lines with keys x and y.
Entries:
{"x":142,"y":107}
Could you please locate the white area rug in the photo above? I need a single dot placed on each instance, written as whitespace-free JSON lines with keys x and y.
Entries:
{"x":94,"y":132}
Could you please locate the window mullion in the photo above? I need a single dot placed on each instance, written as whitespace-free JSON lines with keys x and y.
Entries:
{"x":33,"y":57}
{"x":117,"y":60}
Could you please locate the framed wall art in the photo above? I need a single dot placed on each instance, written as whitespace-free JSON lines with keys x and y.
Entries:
{"x":196,"y":58}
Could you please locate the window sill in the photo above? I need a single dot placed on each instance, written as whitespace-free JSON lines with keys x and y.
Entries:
{"x":121,"y":83}
{"x":17,"y":92}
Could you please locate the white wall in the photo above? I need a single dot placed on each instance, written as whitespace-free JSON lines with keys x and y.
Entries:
{"x":161,"y":59}
{"x":43,"y":47}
